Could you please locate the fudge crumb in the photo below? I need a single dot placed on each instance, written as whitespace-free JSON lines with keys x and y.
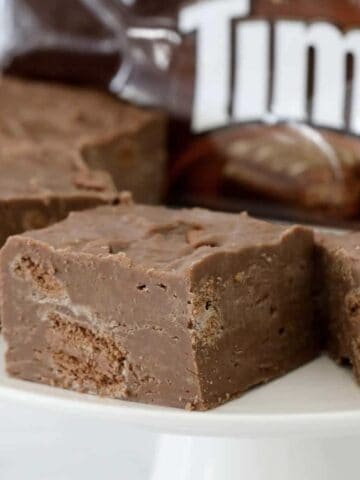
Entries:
{"x":190,"y":407}
{"x":126,"y":198}
{"x":239,"y":277}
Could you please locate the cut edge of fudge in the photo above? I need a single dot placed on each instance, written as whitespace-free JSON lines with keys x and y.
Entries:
{"x":184,"y":308}
{"x":338,"y":266}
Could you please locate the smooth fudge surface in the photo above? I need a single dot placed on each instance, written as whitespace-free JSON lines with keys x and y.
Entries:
{"x":126,"y":141}
{"x":338,"y":265}
{"x":184,"y":308}
{"x":41,"y":185}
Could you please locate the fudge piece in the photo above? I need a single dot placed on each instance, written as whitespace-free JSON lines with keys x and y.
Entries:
{"x":41,"y":185}
{"x":338,"y":266}
{"x":110,"y":135}
{"x":184,"y":308}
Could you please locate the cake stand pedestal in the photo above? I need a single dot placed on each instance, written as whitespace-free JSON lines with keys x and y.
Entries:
{"x":188,"y":458}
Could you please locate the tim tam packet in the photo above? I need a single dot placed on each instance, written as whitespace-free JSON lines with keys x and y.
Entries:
{"x":263,"y":96}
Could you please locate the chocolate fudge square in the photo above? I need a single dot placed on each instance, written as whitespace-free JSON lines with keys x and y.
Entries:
{"x":184,"y":308}
{"x":126,"y":141}
{"x":41,"y":185}
{"x":339,"y":267}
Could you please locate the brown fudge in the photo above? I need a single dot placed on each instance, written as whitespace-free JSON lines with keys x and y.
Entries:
{"x":110,"y":135}
{"x":41,"y":185}
{"x":339,"y":269}
{"x":184,"y":308}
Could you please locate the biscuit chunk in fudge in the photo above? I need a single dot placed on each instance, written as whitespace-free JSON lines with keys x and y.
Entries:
{"x":184,"y":308}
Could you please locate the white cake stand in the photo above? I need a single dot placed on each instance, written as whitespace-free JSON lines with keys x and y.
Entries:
{"x":305,"y":426}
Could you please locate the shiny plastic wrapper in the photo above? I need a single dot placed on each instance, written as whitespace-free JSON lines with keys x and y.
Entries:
{"x":263,"y":96}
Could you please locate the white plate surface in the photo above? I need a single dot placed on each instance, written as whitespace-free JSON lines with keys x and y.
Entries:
{"x":320,"y":398}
